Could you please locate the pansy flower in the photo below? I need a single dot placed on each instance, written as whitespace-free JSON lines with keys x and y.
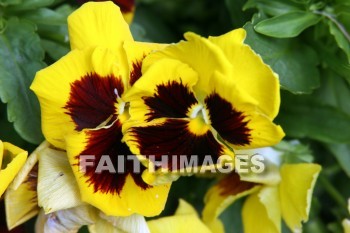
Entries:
{"x":127,"y":7}
{"x":203,"y":97}
{"x":276,"y":194}
{"x":83,"y":109}
{"x":12,"y":158}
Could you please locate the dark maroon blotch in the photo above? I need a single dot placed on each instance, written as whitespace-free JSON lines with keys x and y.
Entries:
{"x":230,"y":123}
{"x":172,"y":100}
{"x":92,"y":100}
{"x":107,"y":141}
{"x":173,"y":138}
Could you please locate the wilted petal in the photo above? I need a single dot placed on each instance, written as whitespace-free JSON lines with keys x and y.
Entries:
{"x":21,"y":204}
{"x":67,"y":221}
{"x":57,"y":188}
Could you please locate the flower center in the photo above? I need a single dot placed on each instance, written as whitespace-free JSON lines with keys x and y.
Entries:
{"x":199,"y":123}
{"x":122,"y":108}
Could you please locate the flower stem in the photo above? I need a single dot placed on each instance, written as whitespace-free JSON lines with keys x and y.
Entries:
{"x":335,"y":21}
{"x":333,"y":192}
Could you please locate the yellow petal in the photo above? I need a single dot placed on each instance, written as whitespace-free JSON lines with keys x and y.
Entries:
{"x":98,"y":24}
{"x":57,"y":188}
{"x":346,"y":225}
{"x":21,"y":203}
{"x":67,"y":92}
{"x":300,"y":178}
{"x":249,"y":72}
{"x":174,"y":73}
{"x":200,"y":54}
{"x":135,"y":53}
{"x":129,"y":197}
{"x":255,"y":128}
{"x":185,"y":208}
{"x":134,"y":223}
{"x":256,"y":218}
{"x":13,"y":158}
{"x":229,"y":189}
{"x":52,"y":85}
{"x":216,"y":226}
{"x":178,"y":224}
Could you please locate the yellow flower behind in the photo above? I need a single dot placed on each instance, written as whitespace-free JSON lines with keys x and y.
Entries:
{"x":12,"y":158}
{"x":185,"y":219}
{"x":285,"y":194}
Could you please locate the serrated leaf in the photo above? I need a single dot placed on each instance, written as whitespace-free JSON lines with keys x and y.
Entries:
{"x":340,"y":38}
{"x":30,"y":5}
{"x":272,"y":8}
{"x":342,"y":154}
{"x":303,"y":117}
{"x":295,"y":62}
{"x":20,"y":57}
{"x":287,"y":25}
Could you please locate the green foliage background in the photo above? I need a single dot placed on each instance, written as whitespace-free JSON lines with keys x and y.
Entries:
{"x":306,"y":42}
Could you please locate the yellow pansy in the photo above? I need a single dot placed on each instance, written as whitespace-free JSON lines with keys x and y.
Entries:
{"x":127,"y":7}
{"x":185,"y":219}
{"x":12,"y":158}
{"x":204,"y":97}
{"x":83,"y":109}
{"x":272,"y":196}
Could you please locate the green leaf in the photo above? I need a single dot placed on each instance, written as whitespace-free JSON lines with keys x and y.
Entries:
{"x":6,"y":3}
{"x":238,"y":17}
{"x":45,"y":16}
{"x":54,"y":49}
{"x":295,"y":62}
{"x":294,"y":152}
{"x":30,"y":5}
{"x":287,"y":25}
{"x":337,"y":63}
{"x":273,"y":8}
{"x":342,"y":154}
{"x":20,"y":57}
{"x":303,"y":117}
{"x":334,"y":91}
{"x":340,"y":38}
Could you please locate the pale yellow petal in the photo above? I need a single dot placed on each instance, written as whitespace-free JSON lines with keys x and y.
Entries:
{"x":295,"y":204}
{"x":57,"y":188}
{"x":255,"y":216}
{"x":20,"y":204}
{"x":178,"y":224}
